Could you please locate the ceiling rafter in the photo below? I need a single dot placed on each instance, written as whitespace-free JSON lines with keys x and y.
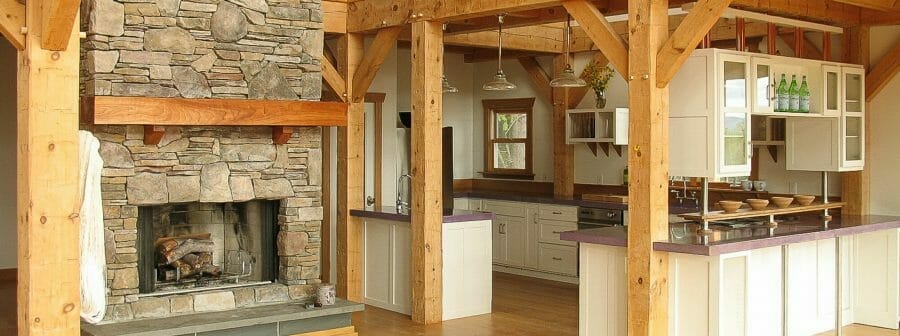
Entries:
{"x":12,"y":20}
{"x":684,"y":40}
{"x":601,"y":32}
{"x":58,"y":20}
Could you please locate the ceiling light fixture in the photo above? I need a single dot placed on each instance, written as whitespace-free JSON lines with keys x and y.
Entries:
{"x":445,"y":84}
{"x":499,"y":82}
{"x":568,"y":77}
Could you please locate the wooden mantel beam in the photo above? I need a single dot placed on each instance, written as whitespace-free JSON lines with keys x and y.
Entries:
{"x":601,"y":32}
{"x":12,"y":20}
{"x":883,"y":72}
{"x":58,"y":20}
{"x":679,"y":46}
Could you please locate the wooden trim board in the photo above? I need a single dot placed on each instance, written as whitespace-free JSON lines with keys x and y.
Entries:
{"x":108,"y":110}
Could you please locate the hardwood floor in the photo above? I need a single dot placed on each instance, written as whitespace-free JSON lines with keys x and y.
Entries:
{"x":522,"y":307}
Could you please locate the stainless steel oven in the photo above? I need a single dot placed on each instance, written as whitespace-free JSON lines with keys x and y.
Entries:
{"x":591,"y":217}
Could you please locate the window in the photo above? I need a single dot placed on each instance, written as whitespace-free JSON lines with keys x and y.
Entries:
{"x":508,"y":138}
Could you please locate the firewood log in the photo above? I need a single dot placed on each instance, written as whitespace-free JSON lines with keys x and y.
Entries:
{"x":189,"y":246}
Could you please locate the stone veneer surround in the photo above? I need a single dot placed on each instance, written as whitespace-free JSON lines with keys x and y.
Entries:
{"x":210,"y":164}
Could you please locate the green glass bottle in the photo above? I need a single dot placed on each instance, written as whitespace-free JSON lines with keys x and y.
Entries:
{"x":804,"y":96}
{"x":794,"y":95}
{"x":781,"y":104}
{"x":625,"y":176}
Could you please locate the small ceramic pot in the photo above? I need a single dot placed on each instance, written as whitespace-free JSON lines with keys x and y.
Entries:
{"x":326,"y":295}
{"x":759,"y":185}
{"x":747,"y":185}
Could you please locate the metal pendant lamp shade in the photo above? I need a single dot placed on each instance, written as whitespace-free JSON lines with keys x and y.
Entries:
{"x":568,"y":77}
{"x":499,"y":82}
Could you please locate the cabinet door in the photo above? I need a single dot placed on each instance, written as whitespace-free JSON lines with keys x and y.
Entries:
{"x":854,"y":90}
{"x":812,"y":144}
{"x":515,"y":229}
{"x":498,"y":239}
{"x":853,"y":143}
{"x":763,"y":86}
{"x":532,"y":235}
{"x":734,"y":149}
{"x":831,"y":95}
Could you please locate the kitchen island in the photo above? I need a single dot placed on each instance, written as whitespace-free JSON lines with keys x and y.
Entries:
{"x":753,"y":280}
{"x":466,"y":247}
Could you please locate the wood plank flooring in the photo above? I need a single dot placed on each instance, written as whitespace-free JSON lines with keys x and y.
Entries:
{"x":522,"y":307}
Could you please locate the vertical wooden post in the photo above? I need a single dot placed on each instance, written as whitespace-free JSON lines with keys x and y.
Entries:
{"x":707,"y":41}
{"x":325,"y":245}
{"x":826,"y":46}
{"x":855,"y":186}
{"x":740,"y":30}
{"x":798,"y":42}
{"x":47,"y":183}
{"x":772,"y":38}
{"x":648,"y":164}
{"x":427,"y":207}
{"x":351,"y":173}
{"x":563,"y":154}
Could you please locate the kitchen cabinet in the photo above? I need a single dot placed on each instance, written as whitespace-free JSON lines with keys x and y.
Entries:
{"x":386,"y":257}
{"x":509,"y":240}
{"x":597,"y":125}
{"x":555,"y":255}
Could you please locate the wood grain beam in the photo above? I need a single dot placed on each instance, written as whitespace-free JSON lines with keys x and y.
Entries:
{"x":57,"y":23}
{"x":563,"y":153}
{"x":12,"y":20}
{"x":809,"y":49}
{"x":535,"y":39}
{"x":478,"y":55}
{"x":856,"y":186}
{"x":350,"y":179}
{"x":367,"y":15}
{"x":334,"y":17}
{"x":427,"y":201}
{"x":384,"y":42}
{"x":686,"y":37}
{"x":334,"y":80}
{"x":648,"y":165}
{"x":528,"y":18}
{"x":47,"y":182}
{"x":601,"y":32}
{"x":538,"y":76}
{"x":880,"y":75}
{"x":881,"y":5}
{"x":109,"y":110}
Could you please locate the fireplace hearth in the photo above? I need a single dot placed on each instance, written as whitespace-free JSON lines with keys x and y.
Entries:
{"x":202,"y":246}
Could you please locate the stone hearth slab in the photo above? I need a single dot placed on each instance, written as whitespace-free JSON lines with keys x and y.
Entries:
{"x":269,"y":320}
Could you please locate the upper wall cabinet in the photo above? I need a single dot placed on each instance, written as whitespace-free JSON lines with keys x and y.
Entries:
{"x":597,"y":125}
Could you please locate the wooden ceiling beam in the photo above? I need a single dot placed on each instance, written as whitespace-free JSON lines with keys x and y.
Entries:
{"x":334,"y":16}
{"x":535,"y":39}
{"x":57,"y":22}
{"x":686,"y":37}
{"x":334,"y":80}
{"x":367,"y":15}
{"x":882,"y":5}
{"x":519,"y":19}
{"x":478,"y":55}
{"x":385,"y":40}
{"x":883,"y":72}
{"x":539,"y":77}
{"x":11,"y":22}
{"x":601,"y":32}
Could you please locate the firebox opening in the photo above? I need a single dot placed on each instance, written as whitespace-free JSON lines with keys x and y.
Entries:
{"x":206,"y":245}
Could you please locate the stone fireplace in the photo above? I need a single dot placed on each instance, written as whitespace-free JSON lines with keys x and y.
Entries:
{"x":248,"y":210}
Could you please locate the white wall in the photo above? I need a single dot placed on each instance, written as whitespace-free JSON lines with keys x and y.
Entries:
{"x":884,"y":114}
{"x":7,"y":155}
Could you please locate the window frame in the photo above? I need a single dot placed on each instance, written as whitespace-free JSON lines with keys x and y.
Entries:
{"x":493,"y":107}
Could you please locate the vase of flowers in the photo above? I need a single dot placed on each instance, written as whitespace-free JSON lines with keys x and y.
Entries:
{"x":597,"y":77}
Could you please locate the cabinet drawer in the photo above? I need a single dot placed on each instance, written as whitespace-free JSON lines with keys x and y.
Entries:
{"x":513,"y":209}
{"x":549,"y":231}
{"x":558,"y":212}
{"x":558,"y":259}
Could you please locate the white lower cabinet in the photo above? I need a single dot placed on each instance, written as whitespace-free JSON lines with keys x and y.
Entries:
{"x":508,"y":235}
{"x":558,"y":259}
{"x":466,"y":261}
{"x":741,"y":293}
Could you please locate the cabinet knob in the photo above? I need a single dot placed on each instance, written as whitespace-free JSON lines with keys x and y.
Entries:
{"x":557,"y":213}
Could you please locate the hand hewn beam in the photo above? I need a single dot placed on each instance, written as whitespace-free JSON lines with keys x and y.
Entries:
{"x":536,"y":39}
{"x":601,"y":32}
{"x":334,"y":80}
{"x":883,"y":72}
{"x":366,"y":15}
{"x":856,"y":186}
{"x":427,"y":208}
{"x":351,"y":172}
{"x":538,"y":76}
{"x":882,"y":5}
{"x":58,"y":20}
{"x":563,"y":153}
{"x":684,"y":40}
{"x":334,"y":17}
{"x":648,"y":170}
{"x":385,"y":40}
{"x":48,"y":195}
{"x":12,"y":19}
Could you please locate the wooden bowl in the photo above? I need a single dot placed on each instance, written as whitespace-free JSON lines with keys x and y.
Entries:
{"x":782,"y":202}
{"x":757,"y":204}
{"x":730,"y":206}
{"x":805,"y":199}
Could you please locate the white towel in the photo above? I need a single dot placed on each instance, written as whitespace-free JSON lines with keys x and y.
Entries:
{"x":93,"y":253}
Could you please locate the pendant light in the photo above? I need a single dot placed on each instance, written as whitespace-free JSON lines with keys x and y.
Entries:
{"x":568,"y":77}
{"x":499,"y":82}
{"x":445,"y":84}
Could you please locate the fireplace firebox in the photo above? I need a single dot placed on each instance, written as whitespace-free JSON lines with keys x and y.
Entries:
{"x":201,"y":246}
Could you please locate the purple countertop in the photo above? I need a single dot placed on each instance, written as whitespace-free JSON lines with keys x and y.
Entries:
{"x":683,"y":237}
{"x":391,"y":213}
{"x":550,"y":199}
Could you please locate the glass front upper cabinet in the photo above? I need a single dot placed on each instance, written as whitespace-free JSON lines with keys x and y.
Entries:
{"x":854,"y":90}
{"x":763,"y":86}
{"x":734,"y":115}
{"x":831,"y":75}
{"x":734,"y":82}
{"x":854,"y":142}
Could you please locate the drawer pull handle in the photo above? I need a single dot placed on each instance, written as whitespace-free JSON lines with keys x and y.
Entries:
{"x":557,"y":213}
{"x":557,"y":258}
{"x":557,"y":232}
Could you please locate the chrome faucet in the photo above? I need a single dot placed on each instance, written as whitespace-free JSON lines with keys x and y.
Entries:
{"x":403,"y":206}
{"x":683,"y":193}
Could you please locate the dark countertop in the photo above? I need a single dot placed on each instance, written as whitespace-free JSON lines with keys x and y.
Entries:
{"x":550,"y":199}
{"x":684,"y":239}
{"x":391,"y":213}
